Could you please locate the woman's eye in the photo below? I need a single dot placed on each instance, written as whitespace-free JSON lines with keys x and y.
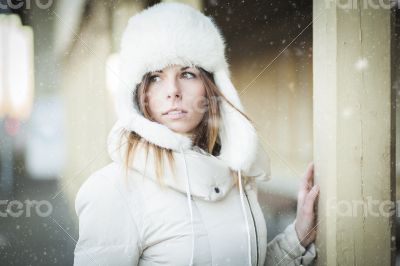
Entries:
{"x":188,"y":75}
{"x":152,"y":78}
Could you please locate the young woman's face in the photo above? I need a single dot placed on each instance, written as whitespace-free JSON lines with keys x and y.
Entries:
{"x":181,"y":88}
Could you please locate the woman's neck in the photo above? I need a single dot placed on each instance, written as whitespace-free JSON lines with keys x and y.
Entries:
{"x":189,"y":135}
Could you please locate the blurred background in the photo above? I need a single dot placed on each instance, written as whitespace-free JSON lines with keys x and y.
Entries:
{"x":56,"y":88}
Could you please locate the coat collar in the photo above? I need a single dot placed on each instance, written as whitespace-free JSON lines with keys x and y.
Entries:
{"x":210,"y":178}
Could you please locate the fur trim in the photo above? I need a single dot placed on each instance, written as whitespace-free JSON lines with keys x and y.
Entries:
{"x":174,"y":33}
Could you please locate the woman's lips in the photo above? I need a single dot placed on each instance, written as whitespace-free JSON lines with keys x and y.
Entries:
{"x":174,"y":115}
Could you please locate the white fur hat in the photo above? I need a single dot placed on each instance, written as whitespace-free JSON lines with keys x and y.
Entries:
{"x":175,"y":33}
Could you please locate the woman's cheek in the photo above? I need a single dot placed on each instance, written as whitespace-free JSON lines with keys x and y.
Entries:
{"x":201,"y":104}
{"x":155,"y":102}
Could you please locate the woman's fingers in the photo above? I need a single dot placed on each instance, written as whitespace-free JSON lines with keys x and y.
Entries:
{"x":306,"y":183}
{"x":309,"y":176}
{"x":306,"y":214}
{"x":311,"y":199}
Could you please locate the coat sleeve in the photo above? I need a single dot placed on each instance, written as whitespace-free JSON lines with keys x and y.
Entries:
{"x":106,"y":236}
{"x":285,"y":249}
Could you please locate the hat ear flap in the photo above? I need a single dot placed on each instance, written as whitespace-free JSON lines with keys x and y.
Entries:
{"x":238,"y":137}
{"x":239,"y":140}
{"x":224,"y":84}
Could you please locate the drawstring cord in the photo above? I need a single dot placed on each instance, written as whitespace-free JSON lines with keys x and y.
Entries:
{"x":189,"y":196}
{"x":245,"y":216}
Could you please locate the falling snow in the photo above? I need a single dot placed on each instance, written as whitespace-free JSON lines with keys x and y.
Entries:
{"x":361,"y":64}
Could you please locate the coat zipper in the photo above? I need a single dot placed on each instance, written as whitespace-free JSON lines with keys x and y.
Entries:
{"x":254,"y":223}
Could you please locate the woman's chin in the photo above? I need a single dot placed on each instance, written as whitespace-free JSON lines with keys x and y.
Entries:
{"x":180,"y":129}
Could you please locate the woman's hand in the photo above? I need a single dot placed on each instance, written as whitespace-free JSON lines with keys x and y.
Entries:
{"x":306,"y":200}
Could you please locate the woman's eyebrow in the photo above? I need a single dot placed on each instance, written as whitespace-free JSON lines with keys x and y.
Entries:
{"x":183,"y":68}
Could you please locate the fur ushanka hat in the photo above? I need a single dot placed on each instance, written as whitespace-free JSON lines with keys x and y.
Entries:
{"x":174,"y":33}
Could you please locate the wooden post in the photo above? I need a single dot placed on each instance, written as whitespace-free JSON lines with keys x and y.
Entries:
{"x":354,"y":132}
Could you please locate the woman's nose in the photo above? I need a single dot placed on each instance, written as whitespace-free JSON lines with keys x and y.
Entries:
{"x":174,"y":90}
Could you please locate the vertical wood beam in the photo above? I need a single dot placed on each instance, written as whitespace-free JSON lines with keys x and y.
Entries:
{"x":354,"y":132}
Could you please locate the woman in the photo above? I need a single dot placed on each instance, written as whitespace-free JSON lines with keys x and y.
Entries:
{"x":174,"y":193}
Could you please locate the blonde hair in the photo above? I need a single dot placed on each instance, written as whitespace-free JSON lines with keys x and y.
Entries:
{"x":205,"y":136}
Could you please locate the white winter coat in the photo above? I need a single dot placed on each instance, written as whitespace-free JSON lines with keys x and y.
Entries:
{"x":131,"y":220}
